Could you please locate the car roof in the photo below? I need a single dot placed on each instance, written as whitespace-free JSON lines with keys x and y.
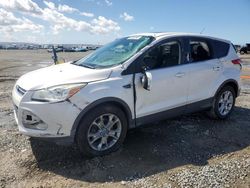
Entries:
{"x":161,"y":35}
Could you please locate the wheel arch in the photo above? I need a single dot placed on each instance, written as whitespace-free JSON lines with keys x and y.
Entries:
{"x":231,"y":82}
{"x":107,"y":100}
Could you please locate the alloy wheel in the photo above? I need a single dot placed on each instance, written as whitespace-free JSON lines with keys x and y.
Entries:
{"x":225,"y":103}
{"x":104,"y":132}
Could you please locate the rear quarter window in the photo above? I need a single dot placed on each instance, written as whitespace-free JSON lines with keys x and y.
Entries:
{"x":220,"y":49}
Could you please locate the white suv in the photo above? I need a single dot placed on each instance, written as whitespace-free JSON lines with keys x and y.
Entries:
{"x":134,"y":80}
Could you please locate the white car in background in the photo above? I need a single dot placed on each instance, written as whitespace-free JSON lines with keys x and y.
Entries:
{"x":134,"y":80}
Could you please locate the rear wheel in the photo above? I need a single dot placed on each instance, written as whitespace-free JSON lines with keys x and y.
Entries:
{"x":223,"y":103}
{"x":102,"y":131}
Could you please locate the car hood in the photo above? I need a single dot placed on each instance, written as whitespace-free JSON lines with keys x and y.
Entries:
{"x":61,"y":74}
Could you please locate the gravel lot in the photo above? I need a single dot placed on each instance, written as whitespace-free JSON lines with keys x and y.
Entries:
{"x":189,"y":151}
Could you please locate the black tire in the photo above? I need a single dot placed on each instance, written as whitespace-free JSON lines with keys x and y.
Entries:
{"x":83,"y":129}
{"x":214,"y":112}
{"x":242,"y":52}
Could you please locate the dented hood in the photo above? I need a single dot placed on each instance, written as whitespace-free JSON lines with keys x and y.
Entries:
{"x":61,"y":74}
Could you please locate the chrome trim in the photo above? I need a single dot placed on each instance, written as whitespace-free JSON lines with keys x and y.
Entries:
{"x":20,"y":90}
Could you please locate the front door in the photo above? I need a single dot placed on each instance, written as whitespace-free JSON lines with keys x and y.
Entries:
{"x":169,"y":81}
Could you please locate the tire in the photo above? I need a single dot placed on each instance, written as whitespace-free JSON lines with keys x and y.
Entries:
{"x":216,"y":111}
{"x":241,"y":52}
{"x":97,"y":122}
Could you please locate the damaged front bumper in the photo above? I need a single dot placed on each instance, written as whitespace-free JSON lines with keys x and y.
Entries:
{"x":43,"y":119}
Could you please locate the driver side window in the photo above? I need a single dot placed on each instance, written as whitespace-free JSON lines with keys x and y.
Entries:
{"x":165,"y":55}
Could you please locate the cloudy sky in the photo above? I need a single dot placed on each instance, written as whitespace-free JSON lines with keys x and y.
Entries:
{"x":100,"y":21}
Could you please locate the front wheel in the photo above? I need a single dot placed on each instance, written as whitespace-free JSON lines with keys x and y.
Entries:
{"x":102,"y":131}
{"x":223,"y":103}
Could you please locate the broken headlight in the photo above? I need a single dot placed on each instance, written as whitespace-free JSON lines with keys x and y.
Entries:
{"x":57,"y":93}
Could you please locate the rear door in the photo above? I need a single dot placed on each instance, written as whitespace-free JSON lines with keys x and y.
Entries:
{"x":204,"y":69}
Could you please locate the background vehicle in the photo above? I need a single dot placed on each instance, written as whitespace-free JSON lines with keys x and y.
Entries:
{"x":69,"y":50}
{"x":75,"y":49}
{"x":237,"y":47}
{"x":57,"y":48}
{"x":92,"y":47}
{"x":132,"y":81}
{"x":245,"y":49}
{"x":80,"y":49}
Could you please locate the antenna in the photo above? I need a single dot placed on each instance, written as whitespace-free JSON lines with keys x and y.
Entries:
{"x":202,"y":30}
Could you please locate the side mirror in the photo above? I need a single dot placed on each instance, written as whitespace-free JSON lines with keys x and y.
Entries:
{"x":146,"y":80}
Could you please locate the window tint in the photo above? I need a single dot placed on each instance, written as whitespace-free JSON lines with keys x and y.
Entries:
{"x":220,"y":48}
{"x":199,"y":51}
{"x":165,"y":55}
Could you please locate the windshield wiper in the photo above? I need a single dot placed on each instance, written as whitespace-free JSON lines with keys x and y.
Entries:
{"x":87,"y":66}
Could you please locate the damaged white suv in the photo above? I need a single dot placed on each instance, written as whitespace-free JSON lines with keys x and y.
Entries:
{"x":134,"y":80}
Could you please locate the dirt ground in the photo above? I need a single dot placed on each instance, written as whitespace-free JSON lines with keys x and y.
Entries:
{"x":188,"y":151}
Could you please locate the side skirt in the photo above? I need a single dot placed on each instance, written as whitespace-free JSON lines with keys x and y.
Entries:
{"x":187,"y":109}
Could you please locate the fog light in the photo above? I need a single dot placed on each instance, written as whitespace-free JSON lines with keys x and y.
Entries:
{"x":31,"y":121}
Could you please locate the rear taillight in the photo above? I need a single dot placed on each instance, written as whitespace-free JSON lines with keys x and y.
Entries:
{"x":237,"y":62}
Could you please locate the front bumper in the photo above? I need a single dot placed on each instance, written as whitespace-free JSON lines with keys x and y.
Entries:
{"x":44,"y":120}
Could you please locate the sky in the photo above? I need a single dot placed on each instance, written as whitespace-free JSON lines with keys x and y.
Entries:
{"x":101,"y":21}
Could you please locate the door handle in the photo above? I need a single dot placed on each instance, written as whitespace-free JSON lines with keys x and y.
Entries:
{"x":216,"y":68}
{"x":180,"y":74}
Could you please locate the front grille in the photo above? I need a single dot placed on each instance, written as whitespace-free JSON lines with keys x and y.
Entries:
{"x":20,"y":90}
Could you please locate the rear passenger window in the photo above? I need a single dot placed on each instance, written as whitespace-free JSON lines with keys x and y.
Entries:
{"x":199,"y":51}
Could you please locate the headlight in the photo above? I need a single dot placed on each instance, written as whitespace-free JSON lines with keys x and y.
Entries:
{"x":57,"y":93}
